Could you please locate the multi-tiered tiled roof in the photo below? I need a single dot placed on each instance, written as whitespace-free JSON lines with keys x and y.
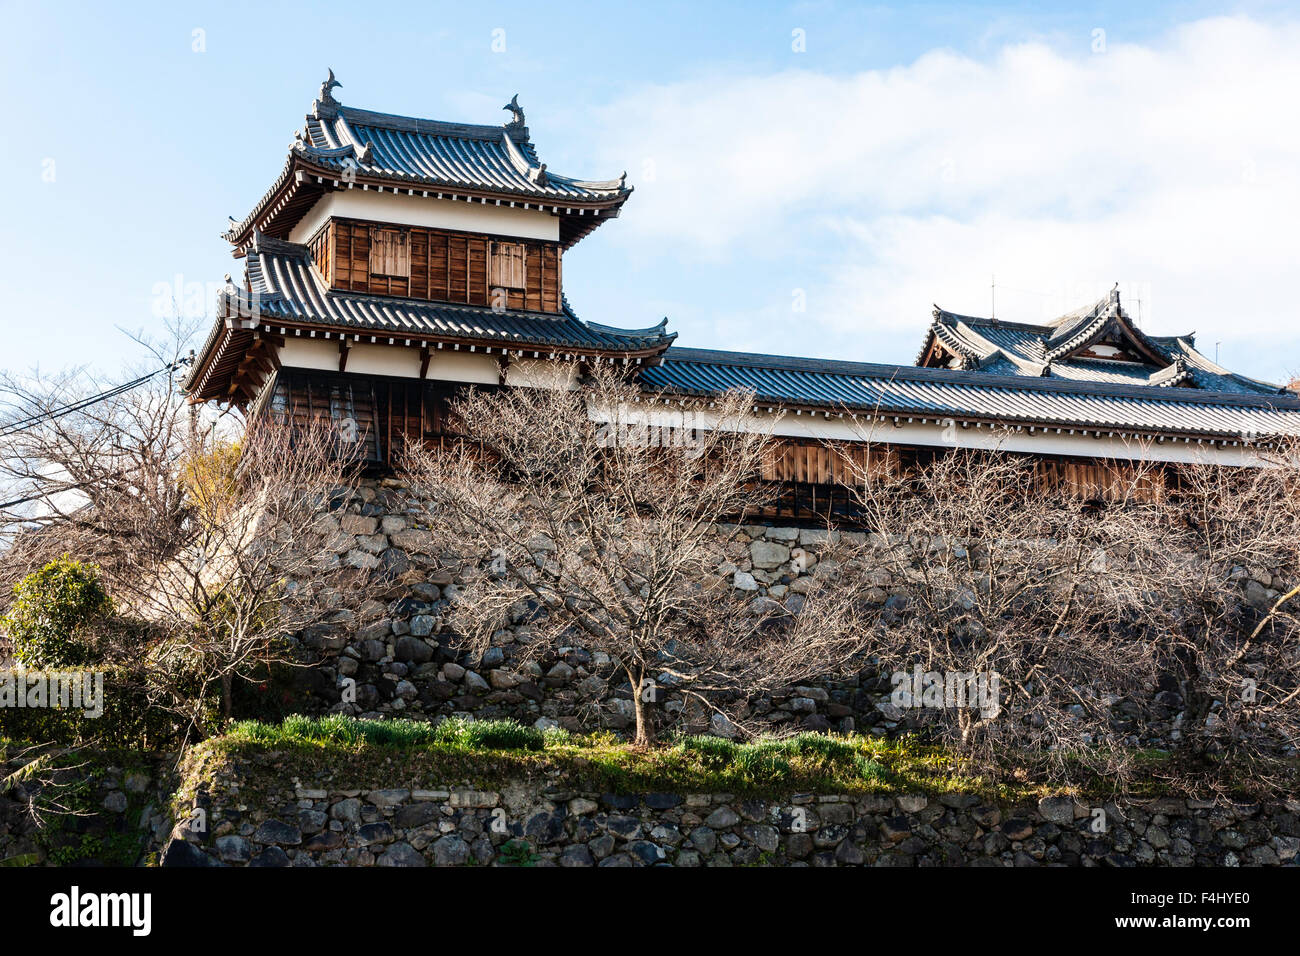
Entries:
{"x":1065,"y":349}
{"x":283,"y":294}
{"x":340,"y":147}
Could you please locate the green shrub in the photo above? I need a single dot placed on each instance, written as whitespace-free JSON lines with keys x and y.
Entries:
{"x":53,"y":615}
{"x":133,"y":718}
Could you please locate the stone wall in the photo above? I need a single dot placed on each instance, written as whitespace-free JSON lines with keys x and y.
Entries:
{"x":114,"y":812}
{"x":405,"y":662}
{"x":398,"y":650}
{"x":313,"y":824}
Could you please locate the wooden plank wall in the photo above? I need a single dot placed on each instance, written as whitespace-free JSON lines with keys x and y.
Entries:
{"x":1102,"y":481}
{"x":827,"y":464}
{"x":804,"y":461}
{"x":322,"y":253}
{"x":446,"y":266}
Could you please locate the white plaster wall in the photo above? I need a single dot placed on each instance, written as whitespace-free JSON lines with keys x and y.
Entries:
{"x":394,"y":360}
{"x":358,"y":203}
{"x":320,"y":354}
{"x":464,"y":367}
{"x":368,"y":359}
{"x":542,"y":373}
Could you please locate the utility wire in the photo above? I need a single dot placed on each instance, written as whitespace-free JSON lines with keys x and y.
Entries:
{"x":23,"y":501}
{"x":31,"y":420}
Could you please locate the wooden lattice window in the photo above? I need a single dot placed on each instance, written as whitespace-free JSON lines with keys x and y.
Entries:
{"x":345,"y":406}
{"x":508,"y":266}
{"x":390,"y":253}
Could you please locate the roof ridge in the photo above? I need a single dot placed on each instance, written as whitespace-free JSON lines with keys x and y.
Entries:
{"x":1200,"y":360}
{"x":983,"y":379}
{"x":986,"y":320}
{"x":431,"y":127}
{"x":657,"y":329}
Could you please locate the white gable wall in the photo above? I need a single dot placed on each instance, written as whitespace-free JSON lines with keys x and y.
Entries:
{"x":369,"y":204}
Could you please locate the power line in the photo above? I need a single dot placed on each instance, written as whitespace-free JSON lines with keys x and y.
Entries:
{"x":52,"y":414}
{"x":23,"y":501}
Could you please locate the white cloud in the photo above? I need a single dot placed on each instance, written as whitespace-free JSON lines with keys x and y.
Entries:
{"x":1172,"y":167}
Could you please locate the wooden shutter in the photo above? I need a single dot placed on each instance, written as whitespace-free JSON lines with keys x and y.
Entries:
{"x":390,"y":253}
{"x":508,"y":271}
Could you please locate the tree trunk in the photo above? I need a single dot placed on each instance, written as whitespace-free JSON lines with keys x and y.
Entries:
{"x":645,"y":727}
{"x":225,"y":696}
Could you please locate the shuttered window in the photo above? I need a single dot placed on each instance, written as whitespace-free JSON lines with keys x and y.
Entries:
{"x":508,"y":265}
{"x":390,"y":253}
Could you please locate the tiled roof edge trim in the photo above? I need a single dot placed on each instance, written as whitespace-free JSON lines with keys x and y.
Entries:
{"x":648,"y":331}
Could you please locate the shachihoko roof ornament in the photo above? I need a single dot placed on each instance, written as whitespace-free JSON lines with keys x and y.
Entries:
{"x":516,"y":114}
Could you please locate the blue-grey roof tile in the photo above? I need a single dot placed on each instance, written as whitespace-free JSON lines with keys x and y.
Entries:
{"x":893,"y":389}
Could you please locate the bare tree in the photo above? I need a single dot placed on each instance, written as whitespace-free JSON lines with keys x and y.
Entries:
{"x":88,"y":462}
{"x":990,"y":578}
{"x":1111,"y":625}
{"x":598,"y":509}
{"x":211,"y":541}
{"x":257,"y":569}
{"x":1226,"y":563}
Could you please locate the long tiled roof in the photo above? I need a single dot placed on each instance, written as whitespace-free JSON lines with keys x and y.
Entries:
{"x":1051,"y":351}
{"x":981,"y":396}
{"x":284,"y":286}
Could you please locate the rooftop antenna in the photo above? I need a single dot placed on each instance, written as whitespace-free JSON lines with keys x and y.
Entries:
{"x":1216,"y":352}
{"x":993,"y":296}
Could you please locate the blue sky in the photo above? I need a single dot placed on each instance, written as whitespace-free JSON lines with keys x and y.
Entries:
{"x":906,"y":155}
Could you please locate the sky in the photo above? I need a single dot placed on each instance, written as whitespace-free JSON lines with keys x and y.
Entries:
{"x":810,"y":178}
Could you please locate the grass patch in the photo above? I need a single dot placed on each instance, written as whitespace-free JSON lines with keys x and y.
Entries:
{"x":492,"y":753}
{"x":489,"y":753}
{"x":349,"y":731}
{"x":490,"y":735}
